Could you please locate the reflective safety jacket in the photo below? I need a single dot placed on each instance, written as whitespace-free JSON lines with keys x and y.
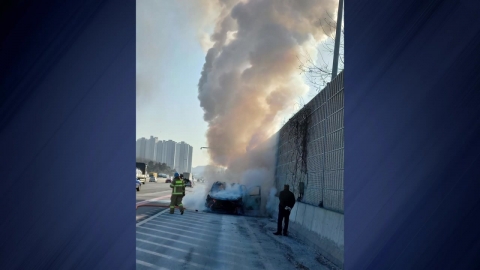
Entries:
{"x":178,"y":186}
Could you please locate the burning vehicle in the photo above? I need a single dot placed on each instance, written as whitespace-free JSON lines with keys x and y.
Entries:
{"x":232,"y":198}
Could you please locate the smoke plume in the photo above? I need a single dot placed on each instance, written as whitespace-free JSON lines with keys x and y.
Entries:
{"x":250,"y":79}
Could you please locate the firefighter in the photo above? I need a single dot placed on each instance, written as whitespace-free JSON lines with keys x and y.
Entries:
{"x":287,"y":201}
{"x":181,"y":177}
{"x":178,"y":191}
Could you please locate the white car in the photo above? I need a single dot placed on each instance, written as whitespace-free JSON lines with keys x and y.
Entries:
{"x":138,"y":185}
{"x":152,"y":179}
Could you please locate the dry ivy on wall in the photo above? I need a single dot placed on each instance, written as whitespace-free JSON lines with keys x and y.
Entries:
{"x":296,"y":134}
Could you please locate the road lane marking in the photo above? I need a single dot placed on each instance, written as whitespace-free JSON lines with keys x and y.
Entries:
{"x":231,"y":238}
{"x":180,"y":235}
{"x":169,"y":257}
{"x":191,"y":216}
{"x":140,"y":217}
{"x":151,"y":265}
{"x":186,"y":251}
{"x":152,"y":217}
{"x":188,"y":243}
{"x":154,"y":200}
{"x":167,"y":246}
{"x":171,"y":239}
{"x":151,"y":193}
{"x":238,"y":249}
{"x":194,"y":229}
{"x":186,"y":223}
{"x":193,"y":245}
{"x":184,"y":218}
{"x":146,"y":214}
{"x":154,"y":222}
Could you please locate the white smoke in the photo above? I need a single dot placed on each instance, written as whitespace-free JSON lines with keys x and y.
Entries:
{"x":195,"y":200}
{"x":250,"y":79}
{"x":250,"y":82}
{"x":271,"y":202}
{"x":231,"y":192}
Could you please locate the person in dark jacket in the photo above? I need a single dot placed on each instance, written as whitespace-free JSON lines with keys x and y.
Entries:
{"x":287,"y":201}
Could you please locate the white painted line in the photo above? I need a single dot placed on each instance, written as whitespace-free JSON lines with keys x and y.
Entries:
{"x":169,"y":257}
{"x":194,"y":228}
{"x":230,"y":247}
{"x":182,"y":227}
{"x":193,"y":245}
{"x":152,"y":217}
{"x":170,"y":239}
{"x":151,"y":265}
{"x":168,"y":246}
{"x":176,"y":234}
{"x":152,"y":193}
{"x":154,"y":200}
{"x":186,"y":251}
{"x":140,"y":217}
{"x":194,"y":216}
{"x":231,"y":238}
{"x":159,"y":198}
{"x":186,"y":223}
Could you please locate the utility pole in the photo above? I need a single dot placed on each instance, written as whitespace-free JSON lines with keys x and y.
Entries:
{"x":338,"y":33}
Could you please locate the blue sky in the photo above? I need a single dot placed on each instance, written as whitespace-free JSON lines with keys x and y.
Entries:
{"x":170,"y":58}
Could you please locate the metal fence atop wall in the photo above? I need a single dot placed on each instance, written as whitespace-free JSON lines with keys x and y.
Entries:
{"x":323,"y":177}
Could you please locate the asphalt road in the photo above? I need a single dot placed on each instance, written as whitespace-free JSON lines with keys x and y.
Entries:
{"x":154,"y":193}
{"x":199,"y":240}
{"x":203,"y":240}
{"x":152,"y":190}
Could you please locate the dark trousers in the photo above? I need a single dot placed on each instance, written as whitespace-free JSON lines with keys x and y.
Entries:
{"x":283,"y":214}
{"x":176,"y":200}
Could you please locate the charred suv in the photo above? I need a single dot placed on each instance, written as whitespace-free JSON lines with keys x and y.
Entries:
{"x":226,"y":198}
{"x":232,"y":198}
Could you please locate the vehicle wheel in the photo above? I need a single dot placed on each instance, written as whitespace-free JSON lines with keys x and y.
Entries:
{"x":138,"y":188}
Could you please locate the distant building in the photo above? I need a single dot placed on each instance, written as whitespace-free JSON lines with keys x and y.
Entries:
{"x":140,"y":148}
{"x":160,"y":154}
{"x":150,"y":148}
{"x":177,"y":156}
{"x":190,"y":155}
{"x":183,"y":157}
{"x":169,"y":148}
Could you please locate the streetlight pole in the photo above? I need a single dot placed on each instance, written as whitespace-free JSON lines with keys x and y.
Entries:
{"x":338,"y":33}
